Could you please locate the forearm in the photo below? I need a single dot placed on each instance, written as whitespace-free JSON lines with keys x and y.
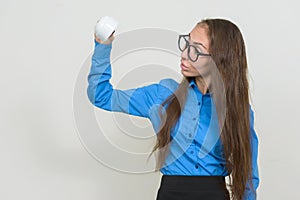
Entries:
{"x":99,"y":88}
{"x":249,"y":193}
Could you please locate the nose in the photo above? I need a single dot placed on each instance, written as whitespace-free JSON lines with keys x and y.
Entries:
{"x":184,"y":54}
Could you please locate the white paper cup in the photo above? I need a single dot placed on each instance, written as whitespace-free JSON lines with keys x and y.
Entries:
{"x":105,"y":27}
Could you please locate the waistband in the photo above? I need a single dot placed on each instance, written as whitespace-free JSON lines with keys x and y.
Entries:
{"x":179,"y":182}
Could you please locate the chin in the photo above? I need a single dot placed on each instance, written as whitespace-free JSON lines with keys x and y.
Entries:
{"x":187,"y":74}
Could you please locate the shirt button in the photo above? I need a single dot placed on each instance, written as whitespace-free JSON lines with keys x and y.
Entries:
{"x":196,"y":166}
{"x":190,"y":135}
{"x":199,"y":103}
{"x":192,"y":152}
{"x":194,"y":118}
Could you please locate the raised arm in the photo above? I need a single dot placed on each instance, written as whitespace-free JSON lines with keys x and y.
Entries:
{"x":137,"y":101}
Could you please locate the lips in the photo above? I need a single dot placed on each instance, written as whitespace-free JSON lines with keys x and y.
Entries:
{"x":183,"y":67}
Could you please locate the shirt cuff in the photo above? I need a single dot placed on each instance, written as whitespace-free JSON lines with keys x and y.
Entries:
{"x":100,"y":44}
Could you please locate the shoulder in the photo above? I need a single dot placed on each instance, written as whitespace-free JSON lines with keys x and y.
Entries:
{"x":166,"y":87}
{"x":169,"y":84}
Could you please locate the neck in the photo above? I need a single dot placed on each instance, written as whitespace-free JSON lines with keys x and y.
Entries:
{"x":202,"y":84}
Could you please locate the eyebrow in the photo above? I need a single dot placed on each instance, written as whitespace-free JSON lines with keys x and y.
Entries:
{"x":198,"y":43}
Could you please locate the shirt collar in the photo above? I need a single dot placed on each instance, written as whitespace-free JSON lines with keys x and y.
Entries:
{"x":194,"y":85}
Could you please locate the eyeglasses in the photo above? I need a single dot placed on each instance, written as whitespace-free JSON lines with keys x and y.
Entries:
{"x":193,"y":51}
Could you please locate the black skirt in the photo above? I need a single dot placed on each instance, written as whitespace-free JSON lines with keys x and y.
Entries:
{"x":192,"y":188}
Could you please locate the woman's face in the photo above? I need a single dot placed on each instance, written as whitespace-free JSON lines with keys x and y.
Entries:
{"x":198,"y":38}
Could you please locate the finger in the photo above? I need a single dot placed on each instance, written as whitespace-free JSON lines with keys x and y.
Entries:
{"x":97,"y":39}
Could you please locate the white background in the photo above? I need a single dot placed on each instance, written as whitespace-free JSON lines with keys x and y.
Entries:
{"x":43,"y":47}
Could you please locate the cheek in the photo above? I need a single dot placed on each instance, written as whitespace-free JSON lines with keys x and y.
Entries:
{"x":202,"y":66}
{"x":195,"y":70}
{"x":202,"y":62}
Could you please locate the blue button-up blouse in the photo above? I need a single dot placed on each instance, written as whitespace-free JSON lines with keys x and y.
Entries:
{"x":196,"y":148}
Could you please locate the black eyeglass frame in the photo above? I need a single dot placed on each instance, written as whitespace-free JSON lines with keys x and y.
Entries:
{"x":188,"y":45}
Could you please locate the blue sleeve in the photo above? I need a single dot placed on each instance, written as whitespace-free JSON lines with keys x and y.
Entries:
{"x":249,"y":193}
{"x":137,"y":101}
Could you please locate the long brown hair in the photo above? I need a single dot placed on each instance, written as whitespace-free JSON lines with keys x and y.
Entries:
{"x":227,"y":49}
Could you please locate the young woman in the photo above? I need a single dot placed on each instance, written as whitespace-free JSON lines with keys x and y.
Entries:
{"x":196,"y":147}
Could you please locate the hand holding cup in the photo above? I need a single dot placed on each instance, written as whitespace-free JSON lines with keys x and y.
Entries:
{"x":105,"y":29}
